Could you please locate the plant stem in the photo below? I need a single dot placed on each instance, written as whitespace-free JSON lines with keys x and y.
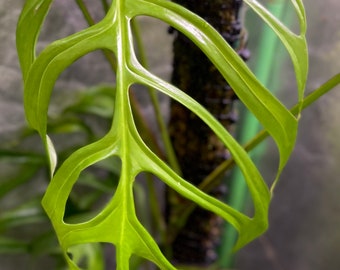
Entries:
{"x":155,"y":208}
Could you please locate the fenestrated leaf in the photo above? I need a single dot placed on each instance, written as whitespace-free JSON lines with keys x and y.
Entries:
{"x":117,"y":223}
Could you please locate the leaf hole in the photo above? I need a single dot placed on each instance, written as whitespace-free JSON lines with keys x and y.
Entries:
{"x":140,"y":263}
{"x":156,"y":45}
{"x":144,"y":113}
{"x":93,"y":190}
{"x":80,"y":113}
{"x":195,"y":236}
{"x":198,"y":149}
{"x":65,"y":18}
{"x":109,"y":255}
{"x":149,"y":197}
{"x":90,"y":256}
{"x":90,"y":69}
{"x":203,"y":82}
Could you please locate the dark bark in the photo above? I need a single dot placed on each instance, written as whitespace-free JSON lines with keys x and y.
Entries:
{"x":198,"y":149}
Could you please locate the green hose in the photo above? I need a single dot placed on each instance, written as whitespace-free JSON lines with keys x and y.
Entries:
{"x":266,"y":58}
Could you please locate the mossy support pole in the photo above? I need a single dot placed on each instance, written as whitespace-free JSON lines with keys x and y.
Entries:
{"x":198,"y":149}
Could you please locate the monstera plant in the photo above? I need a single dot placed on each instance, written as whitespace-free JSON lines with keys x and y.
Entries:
{"x":117,"y":222}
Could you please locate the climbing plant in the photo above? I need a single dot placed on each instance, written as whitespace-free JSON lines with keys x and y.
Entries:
{"x":117,"y":222}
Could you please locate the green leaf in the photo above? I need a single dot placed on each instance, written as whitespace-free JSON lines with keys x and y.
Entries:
{"x":117,"y":223}
{"x":12,"y":246}
{"x":27,"y":213}
{"x":97,"y":101}
{"x":25,"y":173}
{"x":296,"y":46}
{"x":28,"y":29}
{"x":21,"y":157}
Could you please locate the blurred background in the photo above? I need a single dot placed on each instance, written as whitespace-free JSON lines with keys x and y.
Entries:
{"x":304,"y":229}
{"x":305,"y":212}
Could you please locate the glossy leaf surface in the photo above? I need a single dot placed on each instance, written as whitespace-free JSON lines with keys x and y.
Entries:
{"x":117,"y":223}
